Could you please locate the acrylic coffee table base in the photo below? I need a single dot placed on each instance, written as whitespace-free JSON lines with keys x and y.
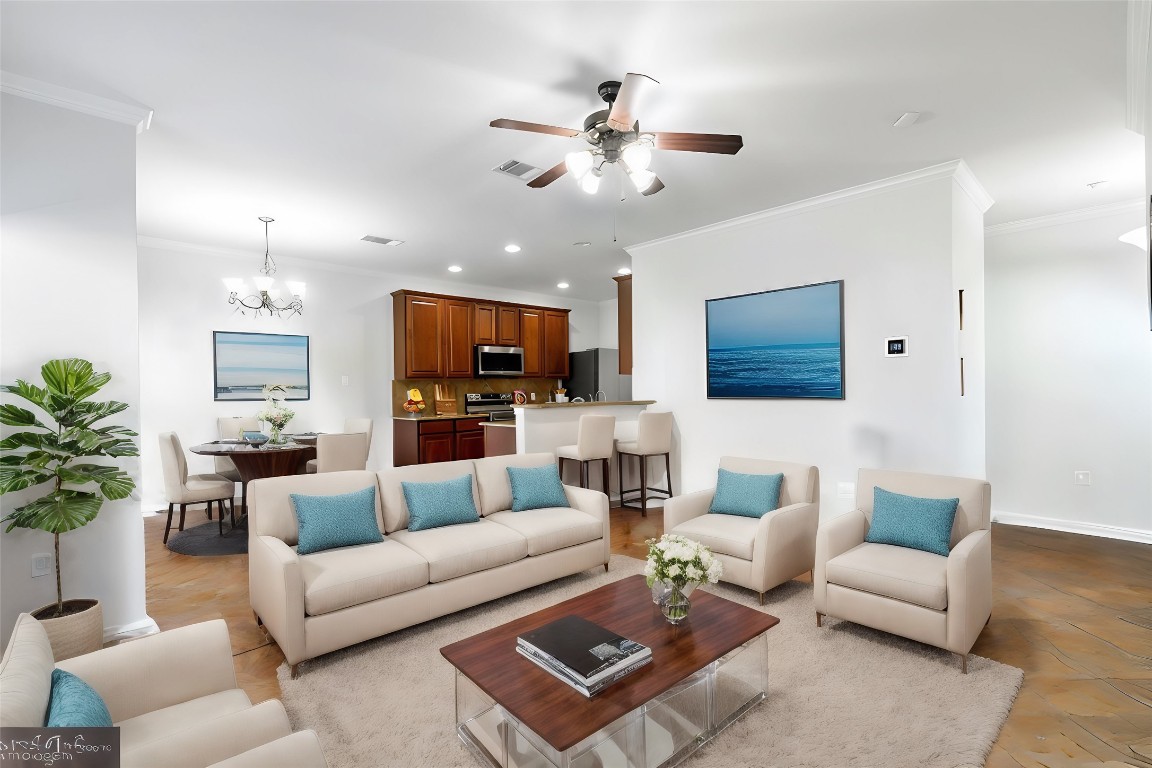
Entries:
{"x":659,"y":734}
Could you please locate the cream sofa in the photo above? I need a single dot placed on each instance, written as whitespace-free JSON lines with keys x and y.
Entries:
{"x":757,"y":553}
{"x":318,"y":603}
{"x":173,"y":696}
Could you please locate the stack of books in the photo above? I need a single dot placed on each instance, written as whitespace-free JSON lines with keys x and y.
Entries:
{"x":582,"y":654}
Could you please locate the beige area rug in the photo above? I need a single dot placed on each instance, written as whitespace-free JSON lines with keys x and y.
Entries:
{"x":839,"y":696}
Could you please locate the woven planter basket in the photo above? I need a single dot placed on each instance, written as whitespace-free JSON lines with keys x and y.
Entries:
{"x":73,"y":634}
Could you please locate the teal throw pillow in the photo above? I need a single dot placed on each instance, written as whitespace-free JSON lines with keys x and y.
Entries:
{"x":328,"y":522}
{"x":434,"y":505}
{"x":536,"y":488}
{"x":75,"y":704}
{"x":911,"y":521}
{"x":747,"y":495}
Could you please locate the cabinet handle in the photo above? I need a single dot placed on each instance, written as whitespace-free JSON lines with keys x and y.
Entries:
{"x":425,"y":303}
{"x":531,"y":314}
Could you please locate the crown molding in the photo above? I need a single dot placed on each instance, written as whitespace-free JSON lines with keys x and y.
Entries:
{"x":955,"y":169}
{"x":1139,"y":39}
{"x":1068,"y":217}
{"x":78,"y":101}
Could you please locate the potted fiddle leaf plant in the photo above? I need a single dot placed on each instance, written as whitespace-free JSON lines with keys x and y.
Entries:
{"x":54,"y":450}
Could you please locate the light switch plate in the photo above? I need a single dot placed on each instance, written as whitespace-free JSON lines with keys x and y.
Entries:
{"x":1082,"y":477}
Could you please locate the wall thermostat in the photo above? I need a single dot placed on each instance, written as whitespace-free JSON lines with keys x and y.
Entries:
{"x":896,"y":346}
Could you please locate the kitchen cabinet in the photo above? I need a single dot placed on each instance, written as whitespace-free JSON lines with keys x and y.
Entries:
{"x":532,"y":340}
{"x":508,"y":326}
{"x":484,"y":324}
{"x":624,"y":322}
{"x":427,"y":440}
{"x":458,"y":344}
{"x":419,"y":332}
{"x":555,"y":333}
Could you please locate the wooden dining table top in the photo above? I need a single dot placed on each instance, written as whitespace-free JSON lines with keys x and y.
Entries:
{"x":233,"y":447}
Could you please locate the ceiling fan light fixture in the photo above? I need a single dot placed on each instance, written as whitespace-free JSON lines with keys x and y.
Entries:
{"x":578,"y":163}
{"x":637,"y":156}
{"x":591,"y":181}
{"x":641,"y":179}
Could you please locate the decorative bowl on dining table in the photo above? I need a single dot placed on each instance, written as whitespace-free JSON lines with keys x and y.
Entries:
{"x":255,"y":438}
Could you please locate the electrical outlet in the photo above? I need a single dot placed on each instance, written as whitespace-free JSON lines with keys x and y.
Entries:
{"x":41,"y":565}
{"x":344,"y":381}
{"x":1082,"y":477}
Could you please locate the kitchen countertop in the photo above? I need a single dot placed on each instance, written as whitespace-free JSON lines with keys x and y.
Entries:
{"x":504,"y":424}
{"x":433,"y":417}
{"x":586,"y":404}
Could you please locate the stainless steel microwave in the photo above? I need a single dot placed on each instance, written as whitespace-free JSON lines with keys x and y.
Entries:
{"x":499,"y":361}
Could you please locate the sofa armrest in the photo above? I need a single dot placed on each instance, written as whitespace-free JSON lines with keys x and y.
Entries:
{"x":276,"y":592}
{"x":969,"y":589}
{"x":208,"y":740}
{"x":299,"y":750}
{"x":785,"y":544}
{"x":594,"y":503}
{"x":833,"y":538}
{"x":681,"y":509}
{"x":157,"y":671}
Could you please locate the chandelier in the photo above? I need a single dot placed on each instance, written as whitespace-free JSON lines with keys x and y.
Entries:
{"x":266,"y":297}
{"x":634,"y":157}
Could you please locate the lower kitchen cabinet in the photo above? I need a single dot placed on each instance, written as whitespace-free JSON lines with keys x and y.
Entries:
{"x":427,"y":441}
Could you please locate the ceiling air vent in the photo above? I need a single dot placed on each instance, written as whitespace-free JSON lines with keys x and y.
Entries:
{"x":518,"y":170}
{"x":382,"y":240}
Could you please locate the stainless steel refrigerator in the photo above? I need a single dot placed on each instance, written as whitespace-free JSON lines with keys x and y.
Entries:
{"x":597,"y":370}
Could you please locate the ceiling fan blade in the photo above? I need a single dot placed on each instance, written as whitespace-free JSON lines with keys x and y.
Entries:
{"x":624,"y":110}
{"x":717,"y":143}
{"x":654,"y":187}
{"x":519,"y":125}
{"x":549,"y":175}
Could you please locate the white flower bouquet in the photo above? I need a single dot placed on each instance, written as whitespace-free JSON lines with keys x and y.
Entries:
{"x":680,"y":561}
{"x":275,"y":412}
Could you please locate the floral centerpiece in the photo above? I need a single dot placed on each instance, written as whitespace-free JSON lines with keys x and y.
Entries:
{"x":680,"y":563}
{"x":275,"y":412}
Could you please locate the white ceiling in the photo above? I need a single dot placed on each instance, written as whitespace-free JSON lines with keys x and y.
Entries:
{"x":346,"y":119}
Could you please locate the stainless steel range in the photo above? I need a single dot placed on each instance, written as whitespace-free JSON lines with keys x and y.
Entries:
{"x":498,"y":405}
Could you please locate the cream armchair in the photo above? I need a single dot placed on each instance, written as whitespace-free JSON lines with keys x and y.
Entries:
{"x":941,"y":601}
{"x":756,"y":553}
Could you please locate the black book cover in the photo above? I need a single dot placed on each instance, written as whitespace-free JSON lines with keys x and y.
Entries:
{"x":582,"y":646}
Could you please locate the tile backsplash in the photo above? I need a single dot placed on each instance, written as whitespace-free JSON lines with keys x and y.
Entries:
{"x":542,"y":388}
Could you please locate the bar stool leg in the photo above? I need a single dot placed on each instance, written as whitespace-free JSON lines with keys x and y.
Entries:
{"x":668,"y":472}
{"x":583,"y":474}
{"x":643,"y":486}
{"x":620,"y":472}
{"x":604,"y":475}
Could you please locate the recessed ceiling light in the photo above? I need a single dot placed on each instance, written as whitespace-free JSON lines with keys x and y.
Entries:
{"x":455,"y":268}
{"x":382,"y":240}
{"x":623,"y":271}
{"x":512,"y":248}
{"x":582,"y":244}
{"x":906,"y":119}
{"x":561,"y":285}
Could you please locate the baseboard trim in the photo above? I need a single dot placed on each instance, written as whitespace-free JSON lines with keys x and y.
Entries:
{"x":1072,"y":526}
{"x":125,"y":632}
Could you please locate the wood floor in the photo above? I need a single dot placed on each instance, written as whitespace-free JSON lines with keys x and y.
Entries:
{"x":1074,"y":612}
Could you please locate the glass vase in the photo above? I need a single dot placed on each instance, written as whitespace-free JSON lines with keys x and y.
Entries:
{"x":660,"y":588}
{"x":675,"y":605}
{"x":276,"y":438}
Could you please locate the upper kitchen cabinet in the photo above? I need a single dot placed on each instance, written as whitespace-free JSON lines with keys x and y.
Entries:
{"x":418,"y":326}
{"x":508,"y":326}
{"x":458,"y":344}
{"x":484,"y":324}
{"x":532,"y":340}
{"x":556,"y":343}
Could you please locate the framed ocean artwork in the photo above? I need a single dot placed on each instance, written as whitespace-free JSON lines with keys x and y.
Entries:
{"x":786,"y":343}
{"x":246,"y":362}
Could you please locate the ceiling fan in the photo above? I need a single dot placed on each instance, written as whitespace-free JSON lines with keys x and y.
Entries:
{"x":615,"y":136}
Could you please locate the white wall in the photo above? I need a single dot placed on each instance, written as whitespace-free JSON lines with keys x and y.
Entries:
{"x":68,"y":204}
{"x":894,"y":245}
{"x":609,"y":324}
{"x":1070,"y":377}
{"x":347,"y":317}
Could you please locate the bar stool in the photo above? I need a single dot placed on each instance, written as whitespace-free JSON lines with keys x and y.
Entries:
{"x":594,"y":442}
{"x":653,"y":438}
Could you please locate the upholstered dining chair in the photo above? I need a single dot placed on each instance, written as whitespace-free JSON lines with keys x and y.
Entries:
{"x":761,"y":541}
{"x":595,"y":441}
{"x":184,"y":489}
{"x":231,"y":428}
{"x":653,"y":438}
{"x":362,"y":427}
{"x":340,"y":452}
{"x":944,"y":600}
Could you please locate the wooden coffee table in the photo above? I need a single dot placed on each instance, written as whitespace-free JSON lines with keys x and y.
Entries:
{"x":704,"y":674}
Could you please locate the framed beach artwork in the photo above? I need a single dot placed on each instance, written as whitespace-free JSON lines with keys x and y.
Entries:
{"x":787,"y":343}
{"x":245,"y":362}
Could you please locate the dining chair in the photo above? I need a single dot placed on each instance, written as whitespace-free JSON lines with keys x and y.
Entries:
{"x":184,"y":489}
{"x":351,"y":426}
{"x":232,"y":428}
{"x":337,"y":453}
{"x":594,"y":442}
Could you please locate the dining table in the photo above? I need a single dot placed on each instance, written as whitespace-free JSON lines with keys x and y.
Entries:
{"x":256,"y":461}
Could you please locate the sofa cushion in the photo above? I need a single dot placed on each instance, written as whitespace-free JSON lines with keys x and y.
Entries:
{"x":159,"y":724}
{"x":731,"y":535}
{"x":547,"y":530}
{"x":341,"y":520}
{"x":458,"y":550}
{"x":911,"y":575}
{"x":392,"y":492}
{"x":75,"y":704}
{"x":536,"y":488}
{"x":743,"y":494}
{"x":26,"y":675}
{"x":912,"y":521}
{"x":341,"y":578}
{"x":492,"y":478}
{"x":434,"y":505}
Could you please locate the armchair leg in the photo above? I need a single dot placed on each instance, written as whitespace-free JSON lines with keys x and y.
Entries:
{"x":819,"y":619}
{"x":259,"y":621}
{"x":963,"y":663}
{"x":605,"y":567}
{"x":294,"y":670}
{"x":761,"y":598}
